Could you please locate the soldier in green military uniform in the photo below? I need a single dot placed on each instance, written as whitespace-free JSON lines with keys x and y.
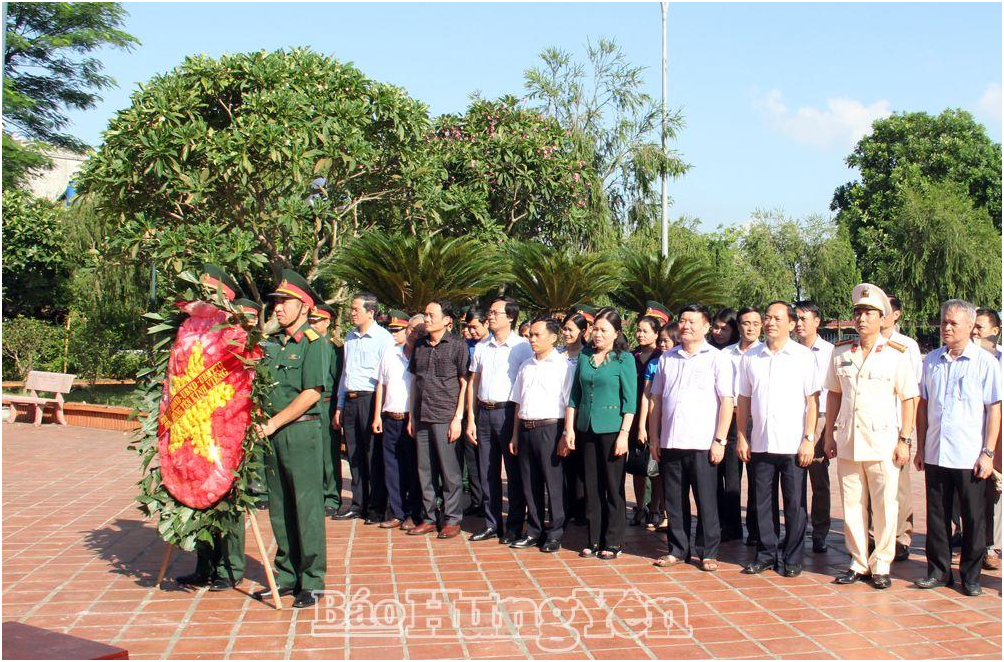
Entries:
{"x":320,"y":321}
{"x":220,"y":564}
{"x":294,"y":469}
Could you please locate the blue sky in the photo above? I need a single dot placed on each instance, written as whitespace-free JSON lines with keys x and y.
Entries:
{"x":774,"y":95}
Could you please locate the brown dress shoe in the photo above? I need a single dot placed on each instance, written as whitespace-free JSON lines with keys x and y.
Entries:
{"x":991,"y":562}
{"x":449,"y":531}
{"x":408,"y":524}
{"x":422,"y":529}
{"x":390,"y":524}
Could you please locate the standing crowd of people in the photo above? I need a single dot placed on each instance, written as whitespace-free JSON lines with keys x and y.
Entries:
{"x":566,"y":411}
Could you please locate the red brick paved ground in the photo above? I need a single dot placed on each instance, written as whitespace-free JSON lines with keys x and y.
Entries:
{"x":77,"y":558}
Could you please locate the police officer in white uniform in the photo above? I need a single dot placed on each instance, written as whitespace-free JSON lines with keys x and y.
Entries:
{"x":866,"y":381}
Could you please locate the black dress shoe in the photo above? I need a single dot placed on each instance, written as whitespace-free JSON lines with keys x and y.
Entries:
{"x":524,"y":543}
{"x":304,"y":599}
{"x":849,"y":577}
{"x":262,"y":505}
{"x":507,"y":539}
{"x":934,"y":582}
{"x":881,"y":581}
{"x":484,"y":534}
{"x":373,"y":519}
{"x":221,"y":584}
{"x":551,"y":546}
{"x":756,"y":568}
{"x":902,"y":553}
{"x":819,"y":546}
{"x":972,"y":590}
{"x":266,"y":595}
{"x":793,"y":570}
{"x":348,"y":514}
{"x":194,"y":579}
{"x":330,"y":511}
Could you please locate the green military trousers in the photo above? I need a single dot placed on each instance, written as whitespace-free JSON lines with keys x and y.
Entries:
{"x":332,"y":446}
{"x":224,"y":558}
{"x":294,"y":475}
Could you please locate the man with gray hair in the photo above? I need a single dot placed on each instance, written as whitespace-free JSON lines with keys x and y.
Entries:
{"x":365,"y":345}
{"x":958,"y":420}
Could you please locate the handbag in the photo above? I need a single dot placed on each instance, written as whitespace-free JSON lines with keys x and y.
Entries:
{"x":638,"y":458}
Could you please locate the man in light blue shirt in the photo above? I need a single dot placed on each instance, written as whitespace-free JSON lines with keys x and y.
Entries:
{"x":364,"y":348}
{"x":958,"y":420}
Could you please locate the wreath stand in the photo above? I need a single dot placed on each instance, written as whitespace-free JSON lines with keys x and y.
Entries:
{"x":269,"y":575}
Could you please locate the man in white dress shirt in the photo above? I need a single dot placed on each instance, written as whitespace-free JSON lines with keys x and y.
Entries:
{"x":958,"y":422}
{"x":692,"y":394}
{"x":491,"y":415}
{"x":807,"y":332}
{"x":541,"y":395}
{"x":779,"y":387}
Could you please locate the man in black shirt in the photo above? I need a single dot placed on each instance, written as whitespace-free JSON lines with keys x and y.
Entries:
{"x":439,"y":363}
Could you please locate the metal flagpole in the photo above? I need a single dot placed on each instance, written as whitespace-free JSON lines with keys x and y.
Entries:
{"x":665,"y":198}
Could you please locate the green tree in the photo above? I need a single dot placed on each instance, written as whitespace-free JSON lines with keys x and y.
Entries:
{"x":548,"y":280}
{"x":959,"y":255}
{"x":31,"y":344}
{"x":914,"y":149}
{"x":617,"y":125}
{"x":672,"y":281}
{"x":511,"y":172}
{"x":267,"y":160}
{"x":36,"y":261}
{"x":407,"y":272}
{"x":47,"y":70}
{"x":830,"y":270}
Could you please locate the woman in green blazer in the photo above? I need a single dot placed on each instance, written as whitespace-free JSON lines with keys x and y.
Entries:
{"x":601,"y":407}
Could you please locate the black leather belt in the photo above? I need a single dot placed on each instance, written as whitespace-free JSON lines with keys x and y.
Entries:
{"x":539,"y":423}
{"x":328,"y":398}
{"x":304,"y":418}
{"x":491,"y":406}
{"x":393,"y":415}
{"x":352,"y":395}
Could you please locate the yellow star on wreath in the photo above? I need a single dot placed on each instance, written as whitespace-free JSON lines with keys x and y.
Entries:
{"x":196,"y":423}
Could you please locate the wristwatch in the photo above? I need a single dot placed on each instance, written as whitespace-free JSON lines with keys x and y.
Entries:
{"x":905,"y":440}
{"x":718,"y":440}
{"x":989,"y":453}
{"x":809,"y":438}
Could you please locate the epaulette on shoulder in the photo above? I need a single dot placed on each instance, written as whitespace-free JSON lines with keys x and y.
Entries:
{"x":899,"y":347}
{"x":311,"y":335}
{"x":842,"y":343}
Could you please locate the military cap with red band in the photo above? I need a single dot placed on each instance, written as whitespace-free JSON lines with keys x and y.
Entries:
{"x":214,"y":277}
{"x":295,"y":286}
{"x":247,"y":306}
{"x":587,"y":311}
{"x":322,"y":311}
{"x":659,"y":311}
{"x":397,"y":319}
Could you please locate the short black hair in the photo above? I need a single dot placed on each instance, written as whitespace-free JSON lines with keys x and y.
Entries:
{"x":894,"y":303}
{"x":746,"y":311}
{"x":511,"y":308}
{"x":788,"y":307}
{"x":703,"y":310}
{"x":474,"y":313}
{"x":809,"y":306}
{"x":995,"y":318}
{"x":369,"y":300}
{"x":445,"y":306}
{"x":578,"y":320}
{"x":553,"y":326}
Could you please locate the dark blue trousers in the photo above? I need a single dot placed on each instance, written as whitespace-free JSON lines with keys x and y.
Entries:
{"x":400,"y":465}
{"x":494,"y":435}
{"x":540,"y":467}
{"x":768,"y":469}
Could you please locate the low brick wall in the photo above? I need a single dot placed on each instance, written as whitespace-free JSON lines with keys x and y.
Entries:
{"x":103,"y":417}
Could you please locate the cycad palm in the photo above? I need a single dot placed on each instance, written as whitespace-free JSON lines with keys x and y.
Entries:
{"x":408,"y":272}
{"x":549,"y":280}
{"x":672,"y":281}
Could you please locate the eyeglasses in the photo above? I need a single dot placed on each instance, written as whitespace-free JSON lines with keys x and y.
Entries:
{"x":494,"y":313}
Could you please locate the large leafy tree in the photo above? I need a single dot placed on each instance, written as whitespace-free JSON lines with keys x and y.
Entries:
{"x":603,"y":106}
{"x":958,"y":257}
{"x":545,"y":280}
{"x":260,"y":161}
{"x":511,"y":172}
{"x":914,"y":149}
{"x":407,"y":272}
{"x":47,"y":70}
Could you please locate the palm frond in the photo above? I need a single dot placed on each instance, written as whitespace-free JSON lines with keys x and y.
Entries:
{"x":408,"y":272}
{"x":549,"y":281}
{"x":672,"y":281}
